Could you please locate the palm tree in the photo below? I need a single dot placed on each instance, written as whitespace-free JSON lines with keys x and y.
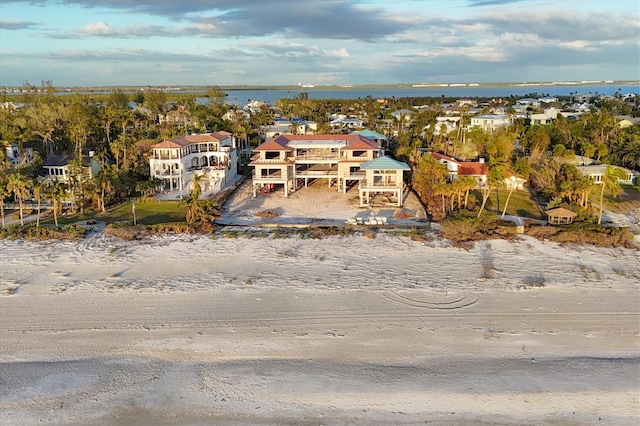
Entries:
{"x":200,"y":213}
{"x":19,"y":185}
{"x":4,"y":192}
{"x":104,"y":181}
{"x":494,"y":180}
{"x":55,"y":192}
{"x":38,"y":188}
{"x":610,"y":179}
{"x":467,"y":183}
{"x":513,"y":185}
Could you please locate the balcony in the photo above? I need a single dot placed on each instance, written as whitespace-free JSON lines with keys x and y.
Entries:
{"x":316,"y":173}
{"x":207,"y":168}
{"x":166,"y":173}
{"x":372,"y":185}
{"x":355,"y":175}
{"x":272,"y":178}
{"x":311,"y":158}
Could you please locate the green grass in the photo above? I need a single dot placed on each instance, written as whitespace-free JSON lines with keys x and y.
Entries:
{"x":627,"y":200}
{"x":146,"y":214}
{"x":520,"y":204}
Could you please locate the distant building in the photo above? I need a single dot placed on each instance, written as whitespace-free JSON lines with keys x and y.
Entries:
{"x":15,"y":155}
{"x":490,"y":123}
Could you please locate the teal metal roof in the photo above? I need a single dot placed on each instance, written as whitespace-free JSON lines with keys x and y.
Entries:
{"x":384,"y":163}
{"x":371,"y":134}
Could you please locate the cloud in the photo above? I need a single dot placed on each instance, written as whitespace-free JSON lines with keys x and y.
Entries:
{"x":17,"y":25}
{"x":333,"y":19}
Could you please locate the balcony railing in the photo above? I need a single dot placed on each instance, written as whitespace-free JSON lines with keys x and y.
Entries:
{"x":355,"y":175}
{"x":368,"y":184}
{"x":273,"y":160}
{"x":168,"y":173}
{"x":269,"y":178}
{"x":312,"y":157}
{"x":311,"y":173}
{"x":206,"y":168}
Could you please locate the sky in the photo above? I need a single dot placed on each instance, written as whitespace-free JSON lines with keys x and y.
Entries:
{"x":316,"y":42}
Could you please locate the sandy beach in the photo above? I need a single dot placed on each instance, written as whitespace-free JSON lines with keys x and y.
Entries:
{"x":332,"y":331}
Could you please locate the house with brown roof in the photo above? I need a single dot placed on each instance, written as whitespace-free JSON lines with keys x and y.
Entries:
{"x":177,"y":161}
{"x":290,"y":161}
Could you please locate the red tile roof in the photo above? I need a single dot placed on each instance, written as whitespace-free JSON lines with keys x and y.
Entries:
{"x":354,"y":142}
{"x":181,"y":141}
{"x":439,"y":157}
{"x":274,"y":144}
{"x":473,"y":169}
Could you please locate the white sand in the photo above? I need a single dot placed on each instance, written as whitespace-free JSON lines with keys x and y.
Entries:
{"x":342,"y":330}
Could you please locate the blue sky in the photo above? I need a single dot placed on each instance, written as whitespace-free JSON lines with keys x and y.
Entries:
{"x":269,"y":42}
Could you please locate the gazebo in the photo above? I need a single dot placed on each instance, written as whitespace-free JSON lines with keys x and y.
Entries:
{"x":560,"y":216}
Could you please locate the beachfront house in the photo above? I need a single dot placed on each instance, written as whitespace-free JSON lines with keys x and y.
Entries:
{"x":289,"y":161}
{"x":383,"y":177}
{"x":595,"y":172}
{"x":177,"y":161}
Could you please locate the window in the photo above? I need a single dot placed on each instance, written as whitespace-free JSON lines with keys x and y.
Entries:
{"x":272,"y":155}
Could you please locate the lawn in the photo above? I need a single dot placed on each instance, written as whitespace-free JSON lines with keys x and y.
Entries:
{"x":627,"y":201}
{"x":520,"y":204}
{"x":148,"y":213}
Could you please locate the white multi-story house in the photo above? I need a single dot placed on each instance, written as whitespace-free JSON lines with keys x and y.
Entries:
{"x":177,"y":161}
{"x":490,"y":123}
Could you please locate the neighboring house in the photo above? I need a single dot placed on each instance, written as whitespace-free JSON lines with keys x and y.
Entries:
{"x":527,"y":103}
{"x":288,"y":161}
{"x":57,"y":167}
{"x":16,"y":156}
{"x":178,"y":117}
{"x":383,"y":176}
{"x":546,"y":117}
{"x":346,"y":123}
{"x":624,"y":121}
{"x":475,"y":169}
{"x":490,"y":123}
{"x":444,"y":125}
{"x":374,"y":136}
{"x":283,"y":126}
{"x":560,"y":216}
{"x":404,"y":116}
{"x":581,"y":160}
{"x":595,"y":172}
{"x":177,"y":161}
{"x":515,"y":182}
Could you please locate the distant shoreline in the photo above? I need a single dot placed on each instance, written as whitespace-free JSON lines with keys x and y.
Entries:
{"x":444,"y":86}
